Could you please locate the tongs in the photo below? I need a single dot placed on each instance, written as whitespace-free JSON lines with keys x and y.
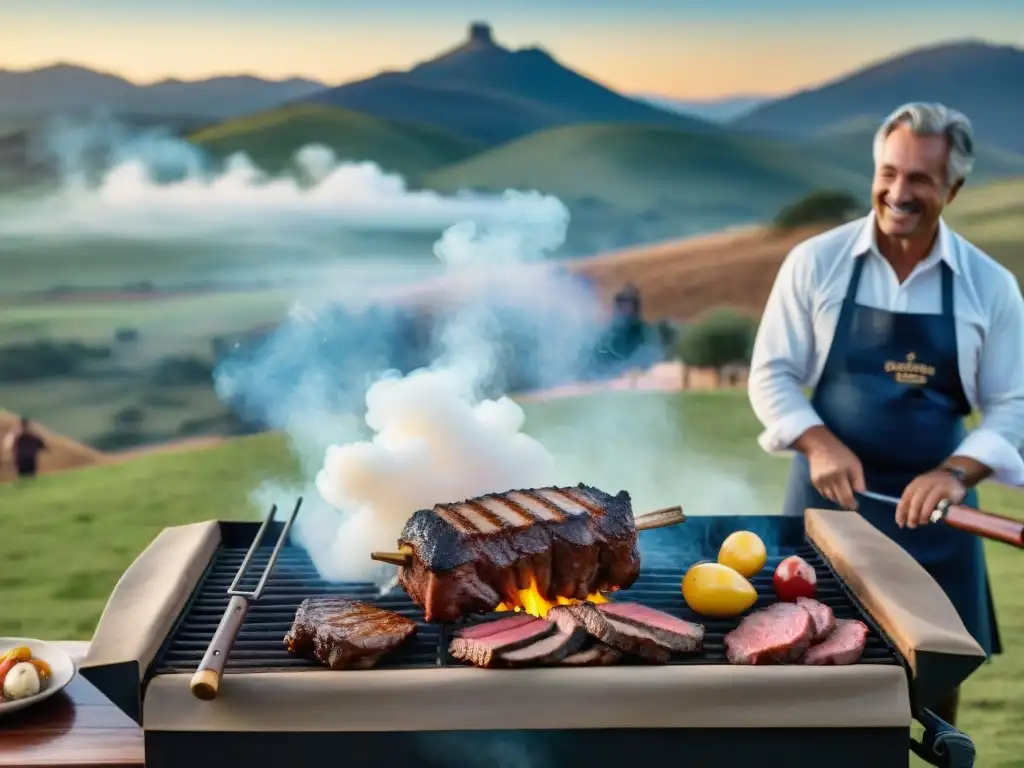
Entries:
{"x":962,"y":517}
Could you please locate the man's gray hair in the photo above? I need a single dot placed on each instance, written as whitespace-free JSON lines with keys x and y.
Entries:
{"x":927,"y":119}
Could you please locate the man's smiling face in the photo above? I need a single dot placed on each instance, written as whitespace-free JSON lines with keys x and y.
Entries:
{"x":910,"y":188}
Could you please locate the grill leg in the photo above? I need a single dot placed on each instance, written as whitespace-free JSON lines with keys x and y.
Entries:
{"x":942,"y":745}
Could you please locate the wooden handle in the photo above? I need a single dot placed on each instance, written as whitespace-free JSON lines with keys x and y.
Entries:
{"x":986,"y":524}
{"x":206,"y":680}
{"x":660,"y":518}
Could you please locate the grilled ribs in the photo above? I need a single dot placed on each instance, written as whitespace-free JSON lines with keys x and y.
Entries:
{"x":346,"y":634}
{"x":471,"y":556}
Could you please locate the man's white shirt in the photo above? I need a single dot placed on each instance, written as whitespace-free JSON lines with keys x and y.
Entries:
{"x":803,"y":308}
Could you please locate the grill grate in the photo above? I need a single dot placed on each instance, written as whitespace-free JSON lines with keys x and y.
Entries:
{"x":260,"y":642}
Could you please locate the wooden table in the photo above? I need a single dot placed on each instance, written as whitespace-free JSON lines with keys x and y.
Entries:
{"x":78,"y":727}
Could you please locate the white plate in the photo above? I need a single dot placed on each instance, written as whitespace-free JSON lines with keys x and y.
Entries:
{"x":61,"y":665}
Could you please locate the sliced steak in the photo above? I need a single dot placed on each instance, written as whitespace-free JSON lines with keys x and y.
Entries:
{"x":675,"y":634}
{"x":618,"y":634}
{"x":822,"y":616}
{"x":567,"y":639}
{"x":782,"y":632}
{"x":844,"y":646}
{"x":346,"y":634}
{"x":484,"y":651}
{"x":597,"y":655}
{"x":485,"y":628}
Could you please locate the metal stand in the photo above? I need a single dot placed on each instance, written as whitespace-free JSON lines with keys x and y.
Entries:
{"x":942,"y":745}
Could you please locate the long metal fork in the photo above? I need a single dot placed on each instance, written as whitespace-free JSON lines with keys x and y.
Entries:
{"x":206,"y":680}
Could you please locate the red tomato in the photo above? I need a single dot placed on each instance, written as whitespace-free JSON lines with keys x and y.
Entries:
{"x":794,"y":578}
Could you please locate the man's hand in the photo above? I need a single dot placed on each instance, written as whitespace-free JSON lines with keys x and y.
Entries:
{"x":835,"y":472}
{"x":923,"y":495}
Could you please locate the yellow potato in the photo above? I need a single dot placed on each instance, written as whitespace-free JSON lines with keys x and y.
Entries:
{"x":744,"y":552}
{"x":713,"y":589}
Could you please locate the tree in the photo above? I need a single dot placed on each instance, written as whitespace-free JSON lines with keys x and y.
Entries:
{"x":821,"y":207}
{"x":722,"y":337}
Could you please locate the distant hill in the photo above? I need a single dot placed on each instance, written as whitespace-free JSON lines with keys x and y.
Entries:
{"x":64,"y":87}
{"x":272,"y":138}
{"x":992,"y":217}
{"x":637,"y":168}
{"x":984,"y":81}
{"x":491,"y":94}
{"x":850,"y":144}
{"x":714,"y":110}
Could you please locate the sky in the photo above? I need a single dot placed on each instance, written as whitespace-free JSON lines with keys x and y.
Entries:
{"x":688,"y":49}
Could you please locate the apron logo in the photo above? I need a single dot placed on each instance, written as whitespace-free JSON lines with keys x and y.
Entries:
{"x":910,"y":371}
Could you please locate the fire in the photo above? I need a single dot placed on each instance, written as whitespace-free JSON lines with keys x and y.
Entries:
{"x":532,"y":602}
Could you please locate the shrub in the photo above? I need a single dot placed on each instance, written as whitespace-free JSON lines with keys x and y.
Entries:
{"x":47,"y":359}
{"x":720,"y":338}
{"x":821,"y":207}
{"x":126,"y":335}
{"x":132,"y":416}
{"x":181,"y":370}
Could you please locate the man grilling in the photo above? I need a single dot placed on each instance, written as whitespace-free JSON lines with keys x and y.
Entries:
{"x":902,"y":328}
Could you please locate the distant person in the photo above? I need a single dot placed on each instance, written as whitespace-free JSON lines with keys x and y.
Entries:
{"x":902,"y":328}
{"x":24,"y":446}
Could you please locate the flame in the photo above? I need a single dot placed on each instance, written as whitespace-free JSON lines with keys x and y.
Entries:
{"x":532,"y":602}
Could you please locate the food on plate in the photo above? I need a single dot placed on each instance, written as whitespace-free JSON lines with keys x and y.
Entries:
{"x":581,"y":634}
{"x":744,"y":552}
{"x":794,"y":578}
{"x":346,"y":634}
{"x":565,"y":543}
{"x":713,"y":589}
{"x":822,"y":616}
{"x":596,"y":655}
{"x":21,"y":681}
{"x":844,"y":645}
{"x":780,"y":633}
{"x":483,"y":649}
{"x":22,"y":674}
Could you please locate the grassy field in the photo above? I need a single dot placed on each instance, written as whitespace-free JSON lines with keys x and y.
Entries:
{"x":70,"y":536}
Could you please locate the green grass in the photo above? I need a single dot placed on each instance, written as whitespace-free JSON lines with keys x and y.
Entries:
{"x":992,"y":217}
{"x":68,"y":537}
{"x":642,"y":167}
{"x":272,"y":138}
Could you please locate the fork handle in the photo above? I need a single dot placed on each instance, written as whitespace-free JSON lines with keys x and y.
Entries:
{"x":206,"y":680}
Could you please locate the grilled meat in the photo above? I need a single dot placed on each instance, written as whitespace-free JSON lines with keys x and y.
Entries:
{"x":628,"y":638}
{"x":346,"y":634}
{"x":565,"y":542}
{"x":595,"y":655}
{"x":482,"y":649}
{"x":782,"y":632}
{"x":822,"y":616}
{"x":566,"y":640}
{"x":675,"y":634}
{"x":845,"y":645}
{"x":485,"y":628}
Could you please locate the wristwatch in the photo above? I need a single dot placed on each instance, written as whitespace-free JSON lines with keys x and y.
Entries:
{"x":958,"y":473}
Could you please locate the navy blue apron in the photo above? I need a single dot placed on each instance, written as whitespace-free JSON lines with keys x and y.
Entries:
{"x":891,"y":392}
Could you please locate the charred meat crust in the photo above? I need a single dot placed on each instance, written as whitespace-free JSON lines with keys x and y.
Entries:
{"x":458,"y":569}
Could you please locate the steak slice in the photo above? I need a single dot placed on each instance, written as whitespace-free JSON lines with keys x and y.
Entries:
{"x":567,"y":639}
{"x":597,"y":655}
{"x":486,"y":628}
{"x":844,"y":646}
{"x":609,"y":630}
{"x":822,"y":616}
{"x":484,"y":651}
{"x":346,"y":634}
{"x":782,"y":632}
{"x":675,"y":634}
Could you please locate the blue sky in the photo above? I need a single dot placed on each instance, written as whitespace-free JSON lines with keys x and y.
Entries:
{"x":684,"y":48}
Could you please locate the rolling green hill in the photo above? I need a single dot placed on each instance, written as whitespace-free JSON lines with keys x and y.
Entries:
{"x":849,"y":143}
{"x":992,"y":217}
{"x":640,"y":167}
{"x":271,"y":139}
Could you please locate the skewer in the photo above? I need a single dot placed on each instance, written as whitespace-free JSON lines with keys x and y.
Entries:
{"x":206,"y":680}
{"x":659,"y":518}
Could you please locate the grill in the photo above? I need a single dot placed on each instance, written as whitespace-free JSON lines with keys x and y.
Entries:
{"x":422,"y":707}
{"x":259,"y":644}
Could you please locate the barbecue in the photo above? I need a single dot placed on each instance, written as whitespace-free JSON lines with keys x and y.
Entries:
{"x":566,"y":697}
{"x":471,"y":557}
{"x":346,"y":634}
